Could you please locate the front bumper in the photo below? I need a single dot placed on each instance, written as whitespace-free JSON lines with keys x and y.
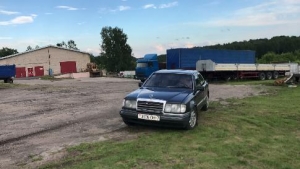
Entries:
{"x":166,"y":119}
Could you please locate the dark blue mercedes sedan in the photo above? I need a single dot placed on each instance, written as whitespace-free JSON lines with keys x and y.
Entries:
{"x":167,"y":98}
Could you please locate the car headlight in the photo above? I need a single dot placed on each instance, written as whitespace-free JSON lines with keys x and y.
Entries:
{"x":175,"y":108}
{"x":129,"y":104}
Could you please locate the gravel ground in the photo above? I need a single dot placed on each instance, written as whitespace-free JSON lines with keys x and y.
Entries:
{"x":40,"y":118}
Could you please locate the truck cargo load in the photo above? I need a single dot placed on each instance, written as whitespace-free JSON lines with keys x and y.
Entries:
{"x":212,"y":70}
{"x":186,"y":58}
{"x":7,"y":73}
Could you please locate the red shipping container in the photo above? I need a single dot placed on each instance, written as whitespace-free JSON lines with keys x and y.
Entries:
{"x":39,"y":71}
{"x":20,"y":72}
{"x":68,"y":67}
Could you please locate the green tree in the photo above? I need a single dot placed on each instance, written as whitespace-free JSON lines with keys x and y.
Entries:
{"x":7,"y":51}
{"x":272,"y":57}
{"x":37,"y":47}
{"x":72,"y":45}
{"x":29,"y":48}
{"x":277,"y":45}
{"x":116,"y":53}
{"x":62,"y":44}
{"x":69,"y":45}
{"x":162,"y":58}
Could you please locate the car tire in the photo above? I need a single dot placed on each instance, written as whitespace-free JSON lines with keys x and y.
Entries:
{"x":128,"y":123}
{"x":205,"y":106}
{"x":193,"y":120}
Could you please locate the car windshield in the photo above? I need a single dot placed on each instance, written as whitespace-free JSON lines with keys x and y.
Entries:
{"x":169,"y":80}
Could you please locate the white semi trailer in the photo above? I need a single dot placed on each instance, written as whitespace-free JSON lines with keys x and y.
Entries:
{"x":212,"y":70}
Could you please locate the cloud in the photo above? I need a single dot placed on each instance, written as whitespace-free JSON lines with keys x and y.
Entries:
{"x":67,"y":8}
{"x":5,"y":38}
{"x":160,"y":48}
{"x":8,"y":12}
{"x":169,"y":5}
{"x":119,"y":8}
{"x":19,"y":20}
{"x":123,"y":8}
{"x":95,"y":51}
{"x":81,"y":23}
{"x":149,"y":6}
{"x":161,"y":6}
{"x":264,"y":14}
{"x":48,"y":13}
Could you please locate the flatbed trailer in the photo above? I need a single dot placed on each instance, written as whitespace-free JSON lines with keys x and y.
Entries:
{"x":211,"y":70}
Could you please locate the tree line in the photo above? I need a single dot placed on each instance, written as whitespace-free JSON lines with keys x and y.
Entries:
{"x":279,"y":48}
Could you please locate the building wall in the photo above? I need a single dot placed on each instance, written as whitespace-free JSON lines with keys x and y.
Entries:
{"x":60,"y":55}
{"x":49,"y":58}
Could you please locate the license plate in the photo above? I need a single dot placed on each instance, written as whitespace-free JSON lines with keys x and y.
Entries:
{"x":149,"y":117}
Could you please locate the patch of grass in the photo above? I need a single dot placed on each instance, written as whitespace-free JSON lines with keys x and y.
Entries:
{"x":9,"y":85}
{"x":34,"y":158}
{"x":255,"y":132}
{"x":252,"y":82}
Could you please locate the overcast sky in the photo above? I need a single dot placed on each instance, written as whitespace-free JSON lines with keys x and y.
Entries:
{"x":152,"y":26}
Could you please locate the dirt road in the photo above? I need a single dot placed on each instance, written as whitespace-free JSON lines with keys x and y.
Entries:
{"x":41,"y":117}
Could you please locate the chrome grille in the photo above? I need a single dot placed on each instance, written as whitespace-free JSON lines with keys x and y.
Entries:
{"x":150,"y":106}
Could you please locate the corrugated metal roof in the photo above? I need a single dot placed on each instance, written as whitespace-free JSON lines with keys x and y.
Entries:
{"x":49,"y":46}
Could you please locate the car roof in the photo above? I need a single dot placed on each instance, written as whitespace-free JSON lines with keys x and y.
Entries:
{"x":179,"y":71}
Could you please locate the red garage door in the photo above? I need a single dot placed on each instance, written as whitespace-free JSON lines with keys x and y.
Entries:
{"x":39,"y":71}
{"x":68,"y":67}
{"x":20,"y":72}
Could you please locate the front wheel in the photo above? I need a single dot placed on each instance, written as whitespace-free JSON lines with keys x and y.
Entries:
{"x":128,"y":123}
{"x":193,"y":120}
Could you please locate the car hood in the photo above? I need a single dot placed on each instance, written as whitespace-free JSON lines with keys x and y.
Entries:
{"x":174,"y":96}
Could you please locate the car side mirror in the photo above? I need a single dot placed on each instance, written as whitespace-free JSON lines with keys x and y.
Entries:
{"x":140,"y":84}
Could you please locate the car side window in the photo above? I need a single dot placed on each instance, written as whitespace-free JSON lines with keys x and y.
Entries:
{"x":199,"y":80}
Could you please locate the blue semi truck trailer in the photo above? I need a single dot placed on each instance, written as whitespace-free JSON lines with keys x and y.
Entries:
{"x":186,"y":58}
{"x":7,"y":73}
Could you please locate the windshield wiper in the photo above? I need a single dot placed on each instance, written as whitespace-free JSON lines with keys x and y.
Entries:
{"x":186,"y":87}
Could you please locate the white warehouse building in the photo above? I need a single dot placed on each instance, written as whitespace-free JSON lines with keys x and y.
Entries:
{"x":49,"y":60}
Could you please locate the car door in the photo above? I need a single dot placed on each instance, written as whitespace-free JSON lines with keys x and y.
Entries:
{"x":200,"y":94}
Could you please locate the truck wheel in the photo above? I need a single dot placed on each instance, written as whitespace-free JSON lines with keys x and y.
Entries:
{"x":275,"y":75}
{"x":193,"y":120}
{"x":205,"y":107}
{"x":262,"y":76}
{"x":5,"y":80}
{"x":269,"y":75}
